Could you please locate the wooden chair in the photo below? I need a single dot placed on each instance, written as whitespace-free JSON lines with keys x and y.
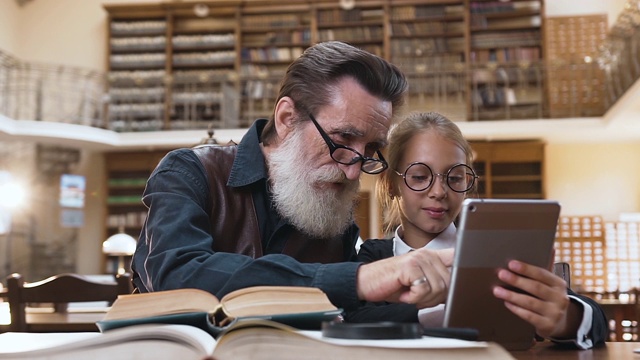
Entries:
{"x":60,"y":290}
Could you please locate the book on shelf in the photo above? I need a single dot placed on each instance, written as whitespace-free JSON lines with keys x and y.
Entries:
{"x":249,"y":339}
{"x":301,"y":307}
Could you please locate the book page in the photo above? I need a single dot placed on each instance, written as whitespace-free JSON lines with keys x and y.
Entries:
{"x":268,"y":300}
{"x":27,"y":345}
{"x":161,"y":303}
{"x":259,"y":343}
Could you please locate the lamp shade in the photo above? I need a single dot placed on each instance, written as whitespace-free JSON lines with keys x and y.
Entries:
{"x":119,"y":244}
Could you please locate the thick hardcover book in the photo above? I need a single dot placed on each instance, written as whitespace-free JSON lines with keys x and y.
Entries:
{"x":299,"y":307}
{"x":253,"y":339}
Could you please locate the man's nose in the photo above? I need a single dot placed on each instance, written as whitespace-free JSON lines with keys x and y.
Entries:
{"x":352,"y":172}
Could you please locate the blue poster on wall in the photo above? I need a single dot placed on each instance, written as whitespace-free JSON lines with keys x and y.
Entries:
{"x":72,"y":190}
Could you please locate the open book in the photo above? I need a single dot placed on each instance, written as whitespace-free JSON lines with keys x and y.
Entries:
{"x":254,"y":339}
{"x":300,"y":307}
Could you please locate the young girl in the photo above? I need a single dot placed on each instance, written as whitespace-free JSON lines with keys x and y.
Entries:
{"x":430,"y":174}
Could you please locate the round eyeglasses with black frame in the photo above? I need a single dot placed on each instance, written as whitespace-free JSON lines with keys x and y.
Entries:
{"x":419,"y":177}
{"x":347,"y":156}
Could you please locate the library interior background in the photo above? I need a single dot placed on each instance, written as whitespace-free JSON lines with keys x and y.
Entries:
{"x":94,"y":92}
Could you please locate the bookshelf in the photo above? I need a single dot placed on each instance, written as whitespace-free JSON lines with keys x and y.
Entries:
{"x":136,"y":62}
{"x":203,"y":61}
{"x":362,"y":26}
{"x":505,"y":59}
{"x":428,"y":41}
{"x":220,"y":62}
{"x":510,"y":169}
{"x":127,"y":174}
{"x":270,"y":39}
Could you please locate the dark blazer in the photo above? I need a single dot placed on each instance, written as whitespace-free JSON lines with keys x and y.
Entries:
{"x":376,"y":249}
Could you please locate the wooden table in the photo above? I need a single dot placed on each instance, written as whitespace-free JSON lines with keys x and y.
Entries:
{"x":44,"y":320}
{"x":64,"y":322}
{"x":611,"y":351}
{"x":617,"y":311}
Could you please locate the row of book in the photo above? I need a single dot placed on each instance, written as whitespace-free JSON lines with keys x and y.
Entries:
{"x":336,"y":16}
{"x":187,"y":97}
{"x":502,"y":55}
{"x":127,"y":125}
{"x":436,"y":63}
{"x":481,"y":22}
{"x":136,"y":94}
{"x":506,"y":39}
{"x":426,"y":47}
{"x":205,"y":58}
{"x":143,"y":27}
{"x":146,"y":43}
{"x":276,"y":54}
{"x":360,"y":33}
{"x":207,"y":40}
{"x":136,"y":109}
{"x":431,"y":28}
{"x":490,"y":7}
{"x":132,"y":219}
{"x":127,"y":182}
{"x":141,"y":60}
{"x":276,"y":38}
{"x":271,"y":21}
{"x":425,"y":11}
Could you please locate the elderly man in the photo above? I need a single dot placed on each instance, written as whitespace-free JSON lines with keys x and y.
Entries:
{"x":277,"y":208}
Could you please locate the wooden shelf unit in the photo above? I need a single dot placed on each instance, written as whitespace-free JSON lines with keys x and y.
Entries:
{"x":475,"y":60}
{"x":505,"y":60}
{"x":510,"y":169}
{"x":127,"y":174}
{"x":575,"y":81}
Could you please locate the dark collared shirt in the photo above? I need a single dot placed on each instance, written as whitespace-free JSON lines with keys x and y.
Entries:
{"x":175,"y":245}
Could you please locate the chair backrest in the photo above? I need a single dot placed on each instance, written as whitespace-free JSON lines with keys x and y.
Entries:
{"x":60,"y":290}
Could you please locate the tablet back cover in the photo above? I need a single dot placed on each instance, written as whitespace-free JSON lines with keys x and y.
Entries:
{"x":492,"y":232}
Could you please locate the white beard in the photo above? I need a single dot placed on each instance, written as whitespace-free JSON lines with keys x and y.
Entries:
{"x":320,"y":213}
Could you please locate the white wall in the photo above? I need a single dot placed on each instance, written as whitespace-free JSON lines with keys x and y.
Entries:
{"x":9,"y":18}
{"x":594,"y":179}
{"x":69,"y":32}
{"x":585,"y":7}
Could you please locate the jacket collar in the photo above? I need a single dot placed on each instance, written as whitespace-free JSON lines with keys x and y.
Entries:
{"x":249,"y":165}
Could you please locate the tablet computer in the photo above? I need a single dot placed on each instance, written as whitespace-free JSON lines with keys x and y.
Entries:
{"x":492,"y":232}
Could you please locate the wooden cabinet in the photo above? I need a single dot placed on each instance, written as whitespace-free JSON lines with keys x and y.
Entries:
{"x":575,"y":80}
{"x":510,"y":169}
{"x":187,"y":65}
{"x":127,"y":174}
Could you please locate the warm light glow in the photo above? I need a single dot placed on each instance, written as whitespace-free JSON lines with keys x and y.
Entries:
{"x":13,"y":195}
{"x":5,"y":315}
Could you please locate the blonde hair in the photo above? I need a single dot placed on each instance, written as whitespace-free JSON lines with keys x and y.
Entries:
{"x":399,"y":136}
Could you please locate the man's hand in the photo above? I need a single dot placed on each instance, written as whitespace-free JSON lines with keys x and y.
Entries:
{"x":546,"y":306}
{"x":420,"y":277}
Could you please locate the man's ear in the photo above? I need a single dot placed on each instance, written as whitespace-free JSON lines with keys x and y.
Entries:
{"x":284,"y":116}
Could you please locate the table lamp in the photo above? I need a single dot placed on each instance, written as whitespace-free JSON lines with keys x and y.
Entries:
{"x":119,"y":245}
